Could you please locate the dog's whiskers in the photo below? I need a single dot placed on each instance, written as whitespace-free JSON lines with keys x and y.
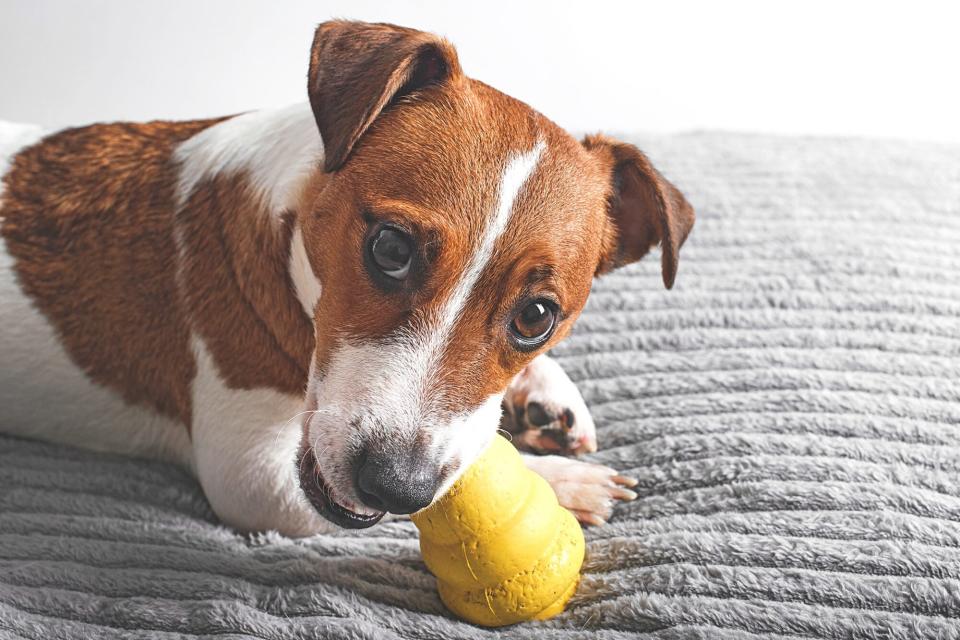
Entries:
{"x":286,"y":424}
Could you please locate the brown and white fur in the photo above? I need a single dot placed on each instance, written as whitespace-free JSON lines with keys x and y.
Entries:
{"x":202,"y":292}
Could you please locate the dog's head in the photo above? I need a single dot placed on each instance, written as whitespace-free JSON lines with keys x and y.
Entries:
{"x":456,"y":233}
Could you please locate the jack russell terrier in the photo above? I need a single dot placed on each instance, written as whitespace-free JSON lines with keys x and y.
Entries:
{"x":322,"y":311}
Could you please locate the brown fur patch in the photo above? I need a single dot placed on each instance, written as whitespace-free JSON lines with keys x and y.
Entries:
{"x":238,"y":291}
{"x":89,"y":217}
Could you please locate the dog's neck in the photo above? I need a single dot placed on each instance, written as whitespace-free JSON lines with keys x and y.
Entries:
{"x":277,"y":151}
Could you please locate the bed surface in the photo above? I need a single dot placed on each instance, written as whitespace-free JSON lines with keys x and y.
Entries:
{"x":791,"y":408}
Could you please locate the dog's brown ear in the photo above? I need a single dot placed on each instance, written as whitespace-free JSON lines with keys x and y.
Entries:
{"x":357,"y":69}
{"x":643,"y":209}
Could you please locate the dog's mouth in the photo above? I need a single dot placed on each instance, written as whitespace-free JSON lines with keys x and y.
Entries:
{"x":320,"y":495}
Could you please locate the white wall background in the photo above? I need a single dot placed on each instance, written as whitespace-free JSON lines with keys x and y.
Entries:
{"x":847,"y":68}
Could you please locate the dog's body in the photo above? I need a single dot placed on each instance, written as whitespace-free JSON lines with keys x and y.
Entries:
{"x":350,"y":284}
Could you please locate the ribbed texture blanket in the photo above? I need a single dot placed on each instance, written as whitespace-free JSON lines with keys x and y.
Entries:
{"x":791,"y":409}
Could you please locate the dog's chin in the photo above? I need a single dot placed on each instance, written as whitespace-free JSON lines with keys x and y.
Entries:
{"x":319,"y":494}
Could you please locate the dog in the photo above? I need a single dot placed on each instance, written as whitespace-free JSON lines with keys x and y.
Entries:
{"x":324,"y":311}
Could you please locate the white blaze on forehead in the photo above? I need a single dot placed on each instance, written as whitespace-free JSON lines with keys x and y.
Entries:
{"x":421,"y":346}
{"x":518,"y":170}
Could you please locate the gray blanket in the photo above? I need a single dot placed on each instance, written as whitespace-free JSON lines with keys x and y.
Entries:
{"x":791,"y":408}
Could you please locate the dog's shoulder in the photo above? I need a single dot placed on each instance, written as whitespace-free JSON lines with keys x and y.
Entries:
{"x":87,"y":218}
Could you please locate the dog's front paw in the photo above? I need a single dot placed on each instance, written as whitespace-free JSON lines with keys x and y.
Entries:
{"x":588,"y":490}
{"x":545,"y":412}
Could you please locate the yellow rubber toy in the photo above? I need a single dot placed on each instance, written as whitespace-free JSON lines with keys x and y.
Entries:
{"x":502,"y":549}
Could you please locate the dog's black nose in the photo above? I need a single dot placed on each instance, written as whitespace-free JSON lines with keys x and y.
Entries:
{"x":396,"y":483}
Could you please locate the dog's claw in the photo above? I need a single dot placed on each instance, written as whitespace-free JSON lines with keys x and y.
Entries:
{"x":623,"y":494}
{"x":585,"y":517}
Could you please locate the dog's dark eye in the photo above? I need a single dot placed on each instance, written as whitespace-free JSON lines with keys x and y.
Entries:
{"x":392,"y":251}
{"x":533,"y":324}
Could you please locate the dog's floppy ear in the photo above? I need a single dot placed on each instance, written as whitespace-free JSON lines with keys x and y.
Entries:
{"x":357,"y":69}
{"x":643,"y":209}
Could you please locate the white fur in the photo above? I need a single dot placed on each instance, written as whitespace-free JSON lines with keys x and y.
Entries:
{"x":245,"y":446}
{"x":305,"y":281}
{"x":515,"y":175}
{"x":277,"y":148}
{"x":390,"y":391}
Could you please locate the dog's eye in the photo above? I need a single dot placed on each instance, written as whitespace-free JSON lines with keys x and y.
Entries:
{"x":533,"y":324}
{"x":392,"y":251}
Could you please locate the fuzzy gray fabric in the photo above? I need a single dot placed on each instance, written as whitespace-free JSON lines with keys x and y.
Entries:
{"x":791,"y":408}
